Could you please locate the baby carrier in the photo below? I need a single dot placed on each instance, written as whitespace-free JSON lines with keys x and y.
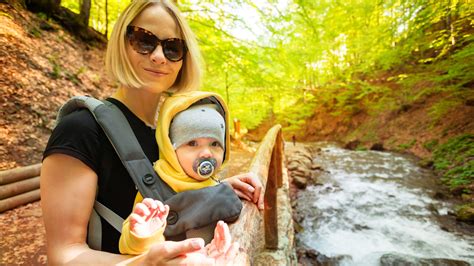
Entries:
{"x":187,"y":209}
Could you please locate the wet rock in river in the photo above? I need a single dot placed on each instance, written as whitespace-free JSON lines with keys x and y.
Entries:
{"x":377,"y":147}
{"x":405,"y":259}
{"x":306,"y":256}
{"x":293,"y":165}
{"x":299,"y":162}
{"x":304,"y":154}
{"x":316,"y":166}
{"x":465,"y":213}
{"x":300,"y":182}
{"x":352,"y":145}
{"x":439,"y":195}
{"x":313,"y":257}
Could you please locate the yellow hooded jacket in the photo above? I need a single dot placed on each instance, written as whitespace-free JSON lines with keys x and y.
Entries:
{"x":168,"y":167}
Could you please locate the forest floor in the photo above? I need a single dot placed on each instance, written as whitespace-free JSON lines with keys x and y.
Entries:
{"x":41,"y":67}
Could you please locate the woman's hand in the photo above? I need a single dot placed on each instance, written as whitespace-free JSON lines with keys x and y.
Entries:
{"x":221,"y":250}
{"x":176,"y":253}
{"x":248,"y":187}
{"x":221,"y":242}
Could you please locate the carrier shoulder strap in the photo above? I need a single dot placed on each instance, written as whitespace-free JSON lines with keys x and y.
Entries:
{"x":118,"y":131}
{"x":120,"y":135}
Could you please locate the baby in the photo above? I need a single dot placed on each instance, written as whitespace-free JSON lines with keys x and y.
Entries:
{"x":192,"y":149}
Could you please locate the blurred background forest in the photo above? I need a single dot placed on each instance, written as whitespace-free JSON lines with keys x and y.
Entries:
{"x":283,"y":59}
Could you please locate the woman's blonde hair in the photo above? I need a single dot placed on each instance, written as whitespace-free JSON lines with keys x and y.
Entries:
{"x":118,"y":64}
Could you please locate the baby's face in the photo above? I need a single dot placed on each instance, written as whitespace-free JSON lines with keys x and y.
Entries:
{"x":196,"y":149}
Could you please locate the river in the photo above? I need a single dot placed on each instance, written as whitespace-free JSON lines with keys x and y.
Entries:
{"x":371,"y":203}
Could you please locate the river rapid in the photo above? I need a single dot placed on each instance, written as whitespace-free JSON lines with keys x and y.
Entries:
{"x":368,"y":204}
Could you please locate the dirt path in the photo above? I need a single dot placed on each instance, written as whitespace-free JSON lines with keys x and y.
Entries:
{"x":22,"y":238}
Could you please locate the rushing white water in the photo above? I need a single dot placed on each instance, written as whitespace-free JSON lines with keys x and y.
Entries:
{"x":373,"y":203}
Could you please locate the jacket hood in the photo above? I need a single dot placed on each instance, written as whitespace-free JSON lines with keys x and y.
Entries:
{"x":168,"y":167}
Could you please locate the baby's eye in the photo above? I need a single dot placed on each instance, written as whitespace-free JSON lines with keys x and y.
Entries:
{"x":215,"y":144}
{"x":192,"y":143}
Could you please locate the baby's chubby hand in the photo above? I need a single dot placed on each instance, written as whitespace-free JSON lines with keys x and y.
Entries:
{"x":147,"y":217}
{"x":249,"y":187}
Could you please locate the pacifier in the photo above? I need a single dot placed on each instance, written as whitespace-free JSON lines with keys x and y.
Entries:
{"x":205,"y":167}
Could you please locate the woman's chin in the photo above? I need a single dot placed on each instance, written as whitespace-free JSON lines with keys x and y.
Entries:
{"x":154,"y":87}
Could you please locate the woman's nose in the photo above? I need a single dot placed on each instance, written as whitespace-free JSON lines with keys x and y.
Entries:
{"x":157,"y":56}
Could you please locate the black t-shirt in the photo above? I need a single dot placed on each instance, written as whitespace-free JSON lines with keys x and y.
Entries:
{"x":81,"y":137}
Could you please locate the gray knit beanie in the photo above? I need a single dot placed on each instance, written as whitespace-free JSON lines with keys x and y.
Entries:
{"x":199,"y":121}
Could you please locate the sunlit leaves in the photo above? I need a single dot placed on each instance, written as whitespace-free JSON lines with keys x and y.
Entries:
{"x":284,"y":58}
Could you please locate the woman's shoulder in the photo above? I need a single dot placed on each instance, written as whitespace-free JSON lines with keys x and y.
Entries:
{"x":78,"y":122}
{"x":77,"y":135}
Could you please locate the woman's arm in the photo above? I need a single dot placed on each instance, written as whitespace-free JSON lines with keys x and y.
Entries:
{"x":68,"y":189}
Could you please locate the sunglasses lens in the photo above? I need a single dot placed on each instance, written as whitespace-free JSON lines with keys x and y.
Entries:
{"x":145,"y":42}
{"x":173,"y":49}
{"x":142,"y":42}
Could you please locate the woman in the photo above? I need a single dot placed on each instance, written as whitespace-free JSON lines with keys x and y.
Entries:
{"x":151,"y":51}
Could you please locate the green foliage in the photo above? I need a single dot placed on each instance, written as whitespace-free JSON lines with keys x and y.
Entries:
{"x":279,"y":60}
{"x":35,"y":32}
{"x":439,"y":109}
{"x":42,"y":16}
{"x":430,"y":145}
{"x":57,"y":69}
{"x":460,"y":68}
{"x":366,"y":132}
{"x":72,"y":5}
{"x":74,"y":77}
{"x":465,"y":212}
{"x":406,"y":146}
{"x":98,"y":19}
{"x":360,"y":148}
{"x":294,"y":116}
{"x":455,"y":160}
{"x":3,"y":14}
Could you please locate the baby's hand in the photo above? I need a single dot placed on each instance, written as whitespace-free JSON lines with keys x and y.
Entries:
{"x":249,"y":187}
{"x":147,"y":217}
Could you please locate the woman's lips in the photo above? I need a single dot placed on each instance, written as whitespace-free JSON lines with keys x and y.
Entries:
{"x":156,"y":72}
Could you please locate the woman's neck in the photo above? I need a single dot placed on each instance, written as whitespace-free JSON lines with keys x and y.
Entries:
{"x":141,"y":102}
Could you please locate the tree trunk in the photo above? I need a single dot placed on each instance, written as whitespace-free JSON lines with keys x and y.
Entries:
{"x":13,"y":202}
{"x":49,"y":7}
{"x":106,"y":18}
{"x":74,"y":23}
{"x":13,"y":189}
{"x":85,"y":12}
{"x":19,"y":173}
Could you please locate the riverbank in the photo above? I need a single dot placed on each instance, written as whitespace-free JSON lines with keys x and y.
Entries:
{"x":309,"y":170}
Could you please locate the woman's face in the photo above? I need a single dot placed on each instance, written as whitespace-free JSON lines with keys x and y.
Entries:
{"x":154,"y":69}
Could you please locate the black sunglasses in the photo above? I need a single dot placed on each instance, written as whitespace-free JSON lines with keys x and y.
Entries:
{"x":145,"y":42}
